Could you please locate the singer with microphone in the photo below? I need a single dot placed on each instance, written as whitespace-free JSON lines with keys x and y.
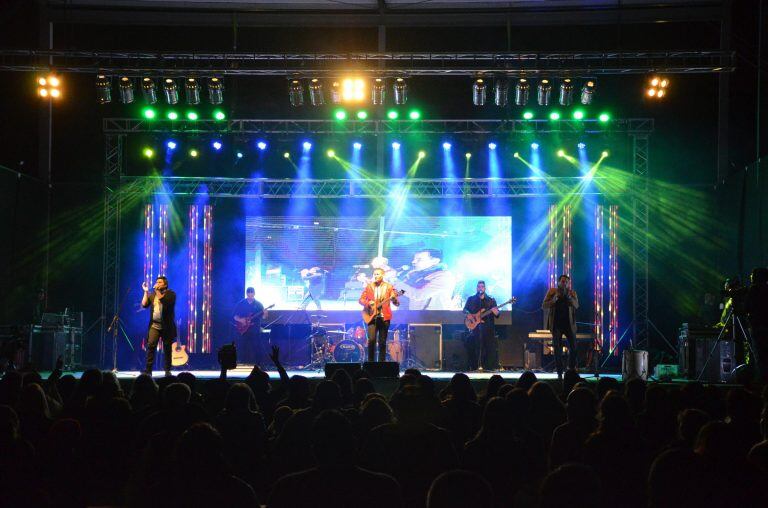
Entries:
{"x":162,"y":321}
{"x":560,"y":304}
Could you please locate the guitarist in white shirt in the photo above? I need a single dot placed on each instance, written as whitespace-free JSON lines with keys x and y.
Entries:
{"x":482,"y":349}
{"x":249,"y":311}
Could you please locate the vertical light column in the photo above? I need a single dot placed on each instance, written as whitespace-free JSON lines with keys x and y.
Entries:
{"x":599,"y":270}
{"x":148,"y":245}
{"x":567,"y":243}
{"x":162,"y":225}
{"x":613,"y":277}
{"x":552,"y":247}
{"x":192,"y":283}
{"x":207,"y":283}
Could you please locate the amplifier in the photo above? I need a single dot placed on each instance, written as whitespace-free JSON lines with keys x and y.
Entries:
{"x":426,"y":345}
{"x":45,"y":346}
{"x":695,"y":347}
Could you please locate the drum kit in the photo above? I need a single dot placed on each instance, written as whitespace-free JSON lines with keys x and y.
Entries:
{"x":349,"y":346}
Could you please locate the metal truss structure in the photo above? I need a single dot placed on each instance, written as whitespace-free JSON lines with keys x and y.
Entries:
{"x":632,"y":126}
{"x":119,"y":187}
{"x":429,"y":188}
{"x":388,"y":64}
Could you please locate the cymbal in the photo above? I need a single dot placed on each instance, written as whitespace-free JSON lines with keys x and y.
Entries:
{"x":338,"y":332}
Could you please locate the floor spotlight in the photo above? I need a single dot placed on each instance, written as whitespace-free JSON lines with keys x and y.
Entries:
{"x":522,"y":91}
{"x":125,"y":87}
{"x":316,"y":92}
{"x":501,"y":92}
{"x":401,"y":91}
{"x":587,"y":92}
{"x":215,"y":91}
{"x":566,"y":92}
{"x":103,"y":89}
{"x":192,"y":91}
{"x":544,"y":92}
{"x":377,"y":92}
{"x":296,"y":93}
{"x":149,"y":90}
{"x":170,"y":91}
{"x":478,"y":92}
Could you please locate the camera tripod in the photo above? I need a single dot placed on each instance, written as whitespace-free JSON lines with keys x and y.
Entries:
{"x":734,"y":320}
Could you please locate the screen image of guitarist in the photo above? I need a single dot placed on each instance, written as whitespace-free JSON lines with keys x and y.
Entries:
{"x":247,"y":316}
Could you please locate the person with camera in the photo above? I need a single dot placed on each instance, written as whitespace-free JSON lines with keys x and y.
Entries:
{"x":756,"y":307}
{"x":162,"y":321}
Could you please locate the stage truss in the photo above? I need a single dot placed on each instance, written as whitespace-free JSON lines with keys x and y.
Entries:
{"x":118,"y":186}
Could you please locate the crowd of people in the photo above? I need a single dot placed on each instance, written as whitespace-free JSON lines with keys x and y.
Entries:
{"x":179,"y":441}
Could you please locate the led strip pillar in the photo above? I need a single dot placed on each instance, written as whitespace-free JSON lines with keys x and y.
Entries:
{"x":552,"y":247}
{"x":192,"y":285}
{"x":207,"y":283}
{"x":613,"y":277}
{"x":599,"y":270}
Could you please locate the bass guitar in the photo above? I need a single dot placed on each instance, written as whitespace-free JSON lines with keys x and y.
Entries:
{"x":243,"y":324}
{"x":369,"y":313}
{"x":473,"y":320}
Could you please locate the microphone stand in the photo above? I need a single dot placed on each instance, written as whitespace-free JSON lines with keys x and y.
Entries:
{"x":113,"y":328}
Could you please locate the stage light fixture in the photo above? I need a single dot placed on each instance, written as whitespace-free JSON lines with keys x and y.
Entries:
{"x":468,"y":155}
{"x":578,"y":115}
{"x":522,"y":92}
{"x":239,"y":155}
{"x":316,"y":92}
{"x":149,"y":113}
{"x":193,"y":153}
{"x":392,"y":114}
{"x":492,"y":146}
{"x":48,"y":87}
{"x":422,"y":154}
{"x":148,"y":153}
{"x":554,"y":115}
{"x":501,"y":92}
{"x":446,"y":146}
{"x":516,"y":155}
{"x":657,"y":87}
{"x":172,"y":115}
{"x":219,"y":115}
{"x":217,"y":145}
{"x":587,"y":92}
{"x":215,"y":91}
{"x":377,"y":92}
{"x":261,"y":145}
{"x":307,"y":146}
{"x":395,"y":145}
{"x":604,"y":154}
{"x":581,"y":146}
{"x":103,"y":89}
{"x":561,"y":153}
{"x":192,"y":91}
{"x":331,"y":153}
{"x":336,"y":92}
{"x":566,"y":92}
{"x":414,"y":114}
{"x":149,"y":90}
{"x":170,"y":91}
{"x":534,"y":146}
{"x":604,"y":117}
{"x":357,"y":145}
{"x":286,"y":155}
{"x":340,"y":114}
{"x":171,"y":145}
{"x":528,"y":115}
{"x":191,"y":115}
{"x":362,"y":115}
{"x":296,"y":93}
{"x":125,"y":88}
{"x":544,"y":92}
{"x":478,"y":92}
{"x":401,"y":91}
{"x":353,"y":90}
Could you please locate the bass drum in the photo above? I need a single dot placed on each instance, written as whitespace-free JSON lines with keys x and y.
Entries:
{"x":348,"y":351}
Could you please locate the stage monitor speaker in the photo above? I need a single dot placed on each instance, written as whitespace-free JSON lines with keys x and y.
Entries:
{"x":634,"y":364}
{"x":721,"y":364}
{"x":511,"y":353}
{"x":380,"y":370}
{"x":45,"y":347}
{"x":351,"y":368}
{"x":532,"y":355}
{"x":455,"y":355}
{"x":426,"y":346}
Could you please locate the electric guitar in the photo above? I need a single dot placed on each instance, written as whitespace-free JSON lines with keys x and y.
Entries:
{"x":473,"y":320}
{"x":243,"y":324}
{"x":368,"y":313}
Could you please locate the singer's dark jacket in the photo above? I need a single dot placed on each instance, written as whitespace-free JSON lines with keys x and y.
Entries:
{"x":169,"y":313}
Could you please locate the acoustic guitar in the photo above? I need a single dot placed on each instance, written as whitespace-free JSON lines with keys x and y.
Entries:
{"x":243,"y":324}
{"x":368,"y":313}
{"x":179,"y":354}
{"x":473,"y":320}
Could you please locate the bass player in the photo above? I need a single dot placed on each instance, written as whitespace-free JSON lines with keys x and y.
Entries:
{"x":248,"y":314}
{"x":481,"y":345}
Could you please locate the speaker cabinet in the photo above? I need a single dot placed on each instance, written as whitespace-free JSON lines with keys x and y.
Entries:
{"x":381,"y":370}
{"x":45,"y":347}
{"x":455,"y":355}
{"x":351,"y":368}
{"x":426,"y":346}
